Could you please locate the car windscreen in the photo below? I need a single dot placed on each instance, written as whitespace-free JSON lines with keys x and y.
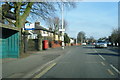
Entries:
{"x":101,"y":42}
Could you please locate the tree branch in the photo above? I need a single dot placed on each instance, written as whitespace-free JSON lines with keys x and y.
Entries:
{"x":27,"y":10}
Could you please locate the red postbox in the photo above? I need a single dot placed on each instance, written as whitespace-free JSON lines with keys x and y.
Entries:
{"x":45,"y":44}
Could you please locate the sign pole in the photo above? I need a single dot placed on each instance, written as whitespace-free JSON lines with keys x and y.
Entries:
{"x":62,"y":25}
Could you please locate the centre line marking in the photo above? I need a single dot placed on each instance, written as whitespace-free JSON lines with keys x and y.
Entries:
{"x":44,"y":71}
{"x":115,"y":68}
{"x":103,"y":63}
{"x":110,"y":72}
{"x":102,"y":57}
{"x":95,"y":50}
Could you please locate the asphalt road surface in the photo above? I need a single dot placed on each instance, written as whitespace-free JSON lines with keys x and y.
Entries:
{"x":86,"y":62}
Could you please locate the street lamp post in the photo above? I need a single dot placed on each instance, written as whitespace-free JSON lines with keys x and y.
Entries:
{"x":76,"y":41}
{"x":62,"y":14}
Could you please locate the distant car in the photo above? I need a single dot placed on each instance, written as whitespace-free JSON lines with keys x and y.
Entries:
{"x":93,"y":43}
{"x":84,"y":43}
{"x":100,"y":43}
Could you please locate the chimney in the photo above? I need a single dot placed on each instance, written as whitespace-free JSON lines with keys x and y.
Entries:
{"x":37,"y":24}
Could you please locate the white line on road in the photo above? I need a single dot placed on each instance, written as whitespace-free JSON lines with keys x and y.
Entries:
{"x":115,"y":68}
{"x":44,"y":71}
{"x":103,"y":63}
{"x":95,"y":50}
{"x":101,"y":57}
{"x":110,"y":72}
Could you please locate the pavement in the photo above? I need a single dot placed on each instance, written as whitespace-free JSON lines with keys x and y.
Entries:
{"x":26,"y":67}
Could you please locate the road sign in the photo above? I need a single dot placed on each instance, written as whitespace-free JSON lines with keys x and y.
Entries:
{"x":61,"y":29}
{"x":29,"y":26}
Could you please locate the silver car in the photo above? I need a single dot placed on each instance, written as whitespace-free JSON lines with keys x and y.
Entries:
{"x":101,"y":43}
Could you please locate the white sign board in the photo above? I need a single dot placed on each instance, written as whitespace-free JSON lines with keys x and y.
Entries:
{"x":30,"y":26}
{"x":61,"y":29}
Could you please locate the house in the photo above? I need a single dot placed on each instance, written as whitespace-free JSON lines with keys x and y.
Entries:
{"x":46,"y":34}
{"x":72,"y":40}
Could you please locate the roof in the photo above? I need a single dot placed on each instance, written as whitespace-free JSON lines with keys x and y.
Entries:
{"x":9,"y":27}
{"x":37,"y":27}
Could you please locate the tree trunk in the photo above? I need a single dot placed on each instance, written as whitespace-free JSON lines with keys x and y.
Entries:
{"x":40,"y":46}
{"x":20,"y":21}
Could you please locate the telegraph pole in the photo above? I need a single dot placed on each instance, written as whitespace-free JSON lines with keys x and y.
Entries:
{"x":62,"y":14}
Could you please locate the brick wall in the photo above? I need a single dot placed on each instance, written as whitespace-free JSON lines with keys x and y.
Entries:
{"x":55,"y":44}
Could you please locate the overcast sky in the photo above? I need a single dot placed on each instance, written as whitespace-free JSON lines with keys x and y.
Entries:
{"x":96,"y":19}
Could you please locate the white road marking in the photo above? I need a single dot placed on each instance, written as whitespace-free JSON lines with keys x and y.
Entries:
{"x":110,"y":72}
{"x":103,"y":63}
{"x":95,"y":51}
{"x":115,"y":68}
{"x":110,"y":65}
{"x":101,"y":57}
{"x":44,"y":71}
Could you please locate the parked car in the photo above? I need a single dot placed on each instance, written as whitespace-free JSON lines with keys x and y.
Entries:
{"x":109,"y":43}
{"x":84,"y":44}
{"x":101,"y":43}
{"x":93,"y":43}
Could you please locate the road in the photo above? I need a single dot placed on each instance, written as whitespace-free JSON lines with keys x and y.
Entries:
{"x":85,"y":62}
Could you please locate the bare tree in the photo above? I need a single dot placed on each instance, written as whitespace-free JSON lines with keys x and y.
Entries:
{"x":91,"y":39}
{"x":114,"y":38}
{"x":55,"y":24}
{"x":81,"y":37}
{"x":23,"y":10}
{"x":119,"y":35}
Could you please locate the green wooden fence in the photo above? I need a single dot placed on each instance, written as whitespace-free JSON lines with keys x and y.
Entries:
{"x":9,"y":47}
